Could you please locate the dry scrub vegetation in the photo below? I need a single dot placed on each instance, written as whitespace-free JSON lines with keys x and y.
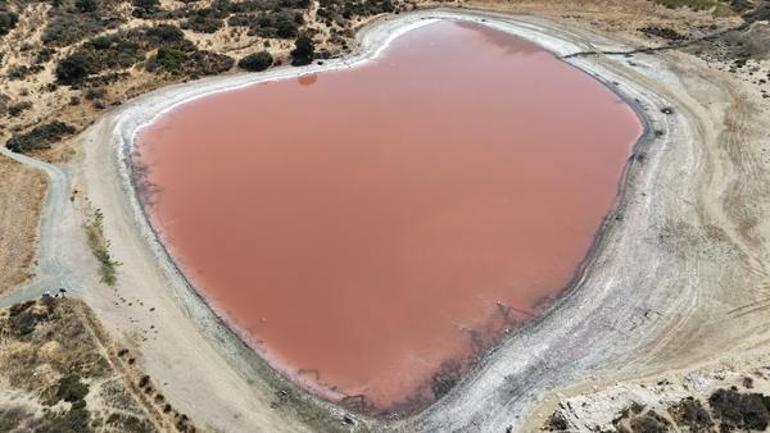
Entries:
{"x":728,"y":398}
{"x":100,"y":248}
{"x":60,"y":373}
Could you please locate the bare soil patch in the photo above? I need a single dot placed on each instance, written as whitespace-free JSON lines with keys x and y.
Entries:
{"x":21,"y":197}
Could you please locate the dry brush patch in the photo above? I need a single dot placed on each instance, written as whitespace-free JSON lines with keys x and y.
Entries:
{"x":22,"y":191}
{"x":100,"y":248}
{"x":65,"y":374}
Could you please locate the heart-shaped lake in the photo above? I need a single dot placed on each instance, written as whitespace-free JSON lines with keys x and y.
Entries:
{"x":374,"y":228}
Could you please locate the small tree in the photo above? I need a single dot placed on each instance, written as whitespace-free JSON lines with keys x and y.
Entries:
{"x":256,"y":62}
{"x":304,"y":50}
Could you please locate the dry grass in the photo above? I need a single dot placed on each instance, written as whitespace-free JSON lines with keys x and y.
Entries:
{"x":22,"y":191}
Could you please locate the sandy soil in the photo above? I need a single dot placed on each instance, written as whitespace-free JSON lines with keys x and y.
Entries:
{"x":677,"y":278}
{"x":21,"y":199}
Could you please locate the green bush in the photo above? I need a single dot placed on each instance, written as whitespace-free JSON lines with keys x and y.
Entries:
{"x":40,"y":137}
{"x":8,"y":21}
{"x":284,"y":24}
{"x":165,"y":35}
{"x":256,"y":61}
{"x":74,"y":68}
{"x":169,"y":59}
{"x":16,"y":109}
{"x":304,"y":50}
{"x":203,"y":24}
{"x":145,"y":8}
{"x":85,"y":5}
{"x":67,"y":26}
{"x":101,"y":42}
{"x":71,"y":389}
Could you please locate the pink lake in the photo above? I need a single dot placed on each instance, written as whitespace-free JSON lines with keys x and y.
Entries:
{"x":373,"y":229}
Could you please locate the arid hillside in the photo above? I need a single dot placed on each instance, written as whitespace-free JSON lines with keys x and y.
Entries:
{"x":60,"y":372}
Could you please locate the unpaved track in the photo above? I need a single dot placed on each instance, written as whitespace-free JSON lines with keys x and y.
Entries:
{"x":679,"y":275}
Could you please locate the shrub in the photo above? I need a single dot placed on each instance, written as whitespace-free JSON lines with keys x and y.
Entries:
{"x":66,"y":27}
{"x":4,"y":100}
{"x":207,"y":63}
{"x":169,"y":59}
{"x":304,"y":50}
{"x":101,"y":42}
{"x":85,"y":5}
{"x":71,"y":389}
{"x":165,"y":35}
{"x":74,"y":68}
{"x":95,"y":93}
{"x":17,"y":72}
{"x":16,"y":109}
{"x":282,"y":24}
{"x":203,"y":24}
{"x":743,"y":411}
{"x":40,"y":137}
{"x":145,"y":8}
{"x":240,"y":20}
{"x":44,"y":55}
{"x":286,"y":29}
{"x":8,"y":21}
{"x":256,"y":61}
{"x":335,"y":10}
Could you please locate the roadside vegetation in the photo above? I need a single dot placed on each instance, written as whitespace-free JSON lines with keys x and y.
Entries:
{"x":108,"y":267}
{"x":40,"y":137}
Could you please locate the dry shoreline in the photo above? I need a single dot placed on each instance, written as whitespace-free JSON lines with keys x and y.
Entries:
{"x":639,"y":297}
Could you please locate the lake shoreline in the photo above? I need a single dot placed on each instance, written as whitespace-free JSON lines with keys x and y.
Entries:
{"x":126,"y":121}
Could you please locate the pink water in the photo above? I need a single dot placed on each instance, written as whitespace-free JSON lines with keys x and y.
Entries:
{"x":365,"y":227}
